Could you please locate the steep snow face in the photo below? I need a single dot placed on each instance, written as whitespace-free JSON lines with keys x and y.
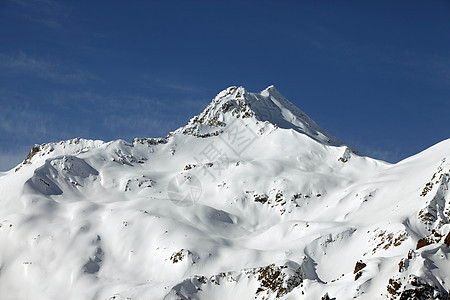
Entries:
{"x":229,"y":206}
{"x":267,"y":106}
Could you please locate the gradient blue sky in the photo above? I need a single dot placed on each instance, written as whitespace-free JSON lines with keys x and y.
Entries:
{"x":375,"y":74}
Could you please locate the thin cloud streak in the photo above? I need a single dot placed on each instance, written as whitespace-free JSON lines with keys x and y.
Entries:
{"x":391,"y":154}
{"x":19,"y":121}
{"x":431,"y":69}
{"x":48,"y":13}
{"x":9,"y":160}
{"x":145,"y":115}
{"x":152,"y":80}
{"x":25,"y":64}
{"x":49,"y":7}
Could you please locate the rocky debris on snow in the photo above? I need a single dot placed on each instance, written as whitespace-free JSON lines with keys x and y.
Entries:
{"x":272,"y":280}
{"x":415,"y":288}
{"x":358,"y":267}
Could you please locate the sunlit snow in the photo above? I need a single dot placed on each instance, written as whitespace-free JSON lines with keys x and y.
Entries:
{"x":250,"y":200}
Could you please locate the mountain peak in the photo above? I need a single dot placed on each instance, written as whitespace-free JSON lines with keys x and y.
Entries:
{"x":163,"y":217}
{"x":267,"y":106}
{"x":269,"y":90}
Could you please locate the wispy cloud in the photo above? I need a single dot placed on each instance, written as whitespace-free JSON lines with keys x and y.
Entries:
{"x":53,"y":71}
{"x":390,"y":60}
{"x":157,"y":81}
{"x":434,"y":69}
{"x":9,"y":160}
{"x":83,"y":110}
{"x":22,"y":62}
{"x":49,"y":13}
{"x":389,"y":155}
{"x":388,"y":151}
{"x":49,"y":7}
{"x":127,"y":114}
{"x":21,"y":121}
{"x":180,"y":87}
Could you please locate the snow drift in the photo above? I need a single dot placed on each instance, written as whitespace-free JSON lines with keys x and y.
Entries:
{"x":250,"y":200}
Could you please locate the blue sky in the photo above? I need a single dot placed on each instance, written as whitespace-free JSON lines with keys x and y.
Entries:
{"x":375,"y":74}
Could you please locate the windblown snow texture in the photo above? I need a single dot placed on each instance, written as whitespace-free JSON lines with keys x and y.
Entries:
{"x":250,"y":200}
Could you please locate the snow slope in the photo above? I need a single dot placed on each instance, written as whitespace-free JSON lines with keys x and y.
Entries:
{"x":250,"y":200}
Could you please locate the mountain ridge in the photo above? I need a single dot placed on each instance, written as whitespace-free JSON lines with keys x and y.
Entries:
{"x":267,"y":106}
{"x":255,"y":211}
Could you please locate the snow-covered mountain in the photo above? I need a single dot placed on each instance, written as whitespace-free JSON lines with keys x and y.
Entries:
{"x":250,"y":200}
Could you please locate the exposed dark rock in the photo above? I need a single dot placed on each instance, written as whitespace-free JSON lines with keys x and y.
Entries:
{"x":180,"y":255}
{"x":422,"y":290}
{"x":149,"y":141}
{"x":415,"y":288}
{"x":359,"y":266}
{"x":32,"y":153}
{"x":189,"y":166}
{"x":410,"y":254}
{"x":428,"y":187}
{"x":326,"y":297}
{"x":341,"y":159}
{"x":401,"y":265}
{"x":261,"y":198}
{"x":394,"y":286}
{"x":279,"y":196}
{"x":273,"y":279}
{"x":422,"y":243}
